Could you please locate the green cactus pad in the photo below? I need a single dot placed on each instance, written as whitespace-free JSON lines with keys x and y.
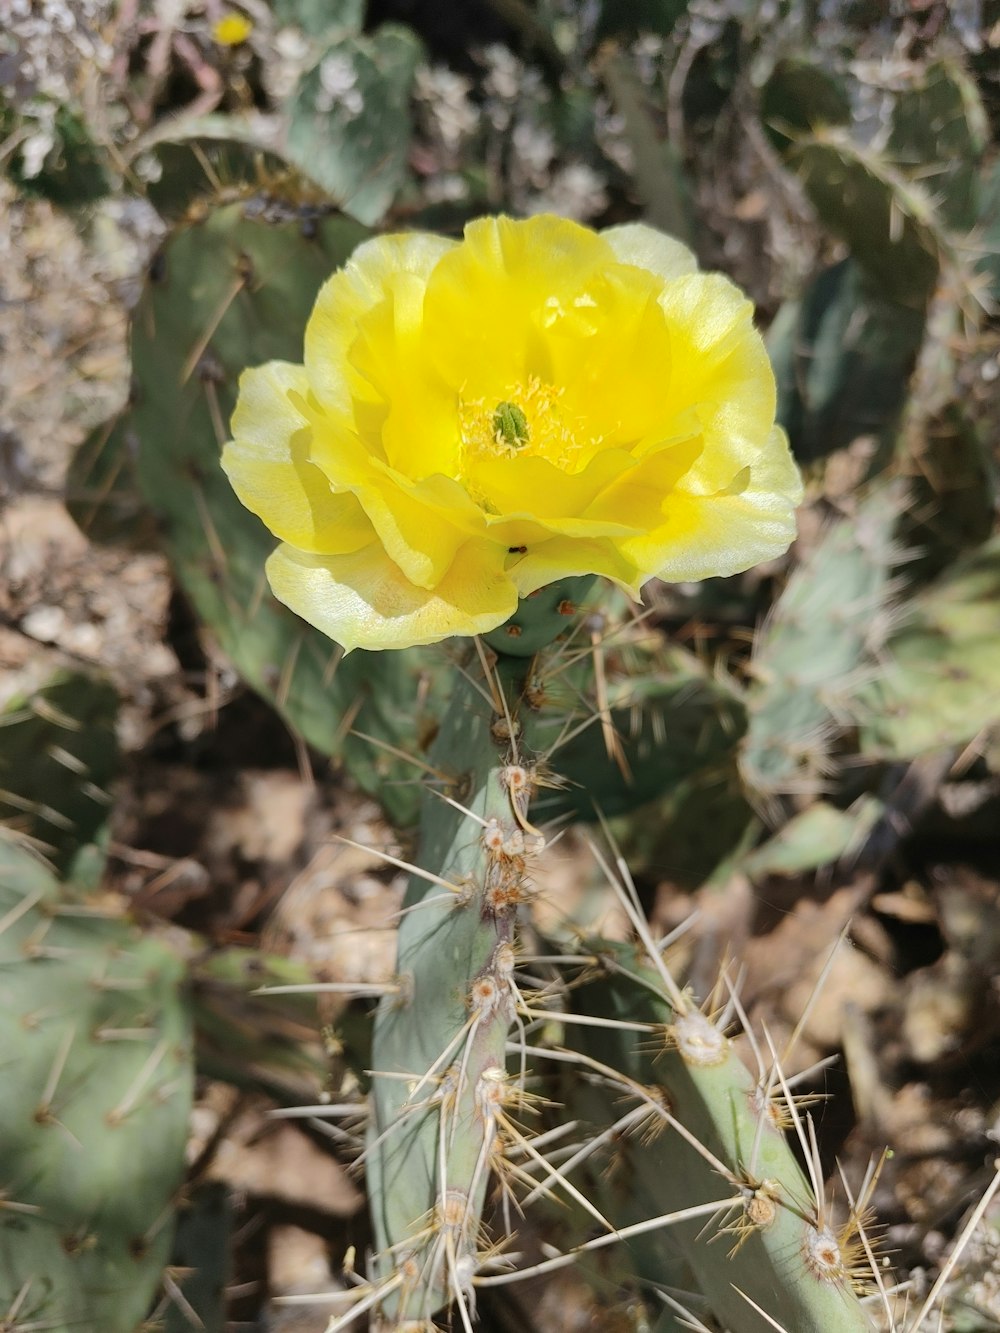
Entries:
{"x":800,"y":96}
{"x":354,"y":143}
{"x":843,"y":354}
{"x":58,"y":755}
{"x":94,"y":1105}
{"x":939,"y":682}
{"x":101,"y":492}
{"x":771,"y":1246}
{"x":814,"y":652}
{"x":530,"y":628}
{"x":672,"y":720}
{"x":201,"y":1256}
{"x":430,"y":1155}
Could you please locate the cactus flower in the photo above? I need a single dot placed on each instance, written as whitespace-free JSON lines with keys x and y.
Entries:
{"x":475,"y":419}
{"x":232,"y":29}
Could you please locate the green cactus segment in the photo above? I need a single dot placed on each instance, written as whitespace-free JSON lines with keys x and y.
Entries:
{"x":435,"y":1130}
{"x":101,"y":492}
{"x":843,"y":355}
{"x":58,"y":755}
{"x":886,"y":218}
{"x":258,"y":1042}
{"x":939,"y":126}
{"x":541,"y":617}
{"x":232,"y":291}
{"x":800,"y":96}
{"x":350,"y":121}
{"x":897,"y":207}
{"x":673,"y":723}
{"x":811,"y":655}
{"x":819,"y":836}
{"x":319,"y":18}
{"x":207,"y":155}
{"x":939,"y":681}
{"x":94,"y":1106}
{"x":772,"y":1245}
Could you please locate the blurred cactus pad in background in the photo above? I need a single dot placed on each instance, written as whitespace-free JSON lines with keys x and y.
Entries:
{"x":632,"y":967}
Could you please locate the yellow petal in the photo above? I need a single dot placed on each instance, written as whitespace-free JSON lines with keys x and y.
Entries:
{"x":644,"y":491}
{"x":704,"y":536}
{"x":561,"y":557}
{"x":363,"y":600}
{"x":364,"y":347}
{"x":492,"y":300}
{"x":533,"y":487}
{"x":616,"y":378}
{"x":720,"y":373}
{"x":418,"y":422}
{"x":635,"y":243}
{"x":268,"y":463}
{"x":422,"y":525}
{"x":646,"y":446}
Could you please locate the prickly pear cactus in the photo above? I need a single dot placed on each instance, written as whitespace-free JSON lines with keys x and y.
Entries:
{"x":843,"y":354}
{"x":58,"y":756}
{"x":441,"y":1087}
{"x":448,"y":1103}
{"x":940,"y":680}
{"x":700,"y":1128}
{"x":812,"y":655}
{"x":94,"y":1123}
{"x":228,"y":290}
{"x":902,"y":200}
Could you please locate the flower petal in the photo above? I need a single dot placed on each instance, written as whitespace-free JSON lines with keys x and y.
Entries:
{"x":364,"y":345}
{"x":710,"y":535}
{"x":268,"y":464}
{"x":562,"y":557}
{"x":490,"y":300}
{"x":421,"y":524}
{"x":720,"y":373}
{"x":532,"y":486}
{"x":363,"y":600}
{"x":635,"y":243}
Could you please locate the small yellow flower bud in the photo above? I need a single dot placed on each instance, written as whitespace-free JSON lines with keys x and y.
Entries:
{"x":232,"y":29}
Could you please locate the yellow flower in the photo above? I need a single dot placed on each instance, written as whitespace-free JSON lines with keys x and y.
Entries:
{"x":232,"y":29}
{"x":476,"y":419}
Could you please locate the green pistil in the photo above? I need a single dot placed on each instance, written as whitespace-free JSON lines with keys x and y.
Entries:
{"x":510,"y":425}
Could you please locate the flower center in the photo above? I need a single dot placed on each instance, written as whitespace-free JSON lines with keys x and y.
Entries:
{"x":530,"y":419}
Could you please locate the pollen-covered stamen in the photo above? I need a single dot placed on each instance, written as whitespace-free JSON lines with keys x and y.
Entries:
{"x":530,"y":418}
{"x":510,"y":425}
